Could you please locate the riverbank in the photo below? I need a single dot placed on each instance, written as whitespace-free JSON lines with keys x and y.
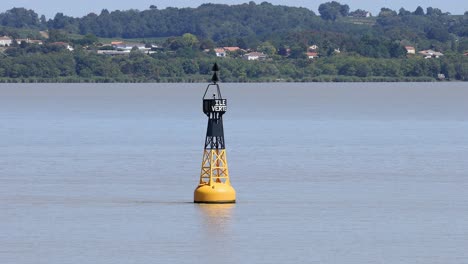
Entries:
{"x":204,"y":80}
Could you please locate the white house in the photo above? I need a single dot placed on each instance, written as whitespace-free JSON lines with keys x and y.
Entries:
{"x":312,"y":55}
{"x":29,"y":41}
{"x":5,"y":41}
{"x":427,"y":54}
{"x":410,"y":49}
{"x":129,"y":46}
{"x":112,"y":52}
{"x":220,"y":52}
{"x":255,"y":56}
{"x":313,"y":48}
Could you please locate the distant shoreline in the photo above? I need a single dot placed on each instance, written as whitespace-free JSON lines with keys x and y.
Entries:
{"x":251,"y":43}
{"x":326,"y":79}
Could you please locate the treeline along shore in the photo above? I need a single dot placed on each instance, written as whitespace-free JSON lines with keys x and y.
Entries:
{"x":251,"y":42}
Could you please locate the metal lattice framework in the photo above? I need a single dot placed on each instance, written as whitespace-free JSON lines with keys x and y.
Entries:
{"x":214,"y":167}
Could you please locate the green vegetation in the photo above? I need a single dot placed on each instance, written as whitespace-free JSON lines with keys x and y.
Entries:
{"x":350,"y":45}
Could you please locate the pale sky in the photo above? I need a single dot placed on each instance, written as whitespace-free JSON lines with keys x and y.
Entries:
{"x":83,"y":7}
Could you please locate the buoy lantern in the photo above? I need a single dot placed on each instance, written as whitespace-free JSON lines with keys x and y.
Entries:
{"x":214,"y":186}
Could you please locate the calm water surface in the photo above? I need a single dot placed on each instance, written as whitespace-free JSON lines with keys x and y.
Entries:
{"x":325,"y":173}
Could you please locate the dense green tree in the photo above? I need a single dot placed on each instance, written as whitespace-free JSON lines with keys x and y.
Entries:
{"x":267,"y":48}
{"x":20,"y":18}
{"x":404,"y":12}
{"x":207,"y":44}
{"x":43,"y":20}
{"x":174,"y":43}
{"x":438,"y":33}
{"x":419,"y":11}
{"x":430,"y":11}
{"x":87,"y":40}
{"x":333,"y":10}
{"x":297,"y":52}
{"x":190,"y":66}
{"x":396,"y":50}
{"x":189,"y":40}
{"x":57,"y":36}
{"x":64,"y":23}
{"x":387,"y":12}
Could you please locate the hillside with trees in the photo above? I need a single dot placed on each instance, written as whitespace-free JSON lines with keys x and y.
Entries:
{"x":350,"y":45}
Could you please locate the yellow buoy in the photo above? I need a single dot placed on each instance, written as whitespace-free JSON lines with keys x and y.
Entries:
{"x":215,"y":185}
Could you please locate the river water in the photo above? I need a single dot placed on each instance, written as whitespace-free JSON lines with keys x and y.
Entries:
{"x":325,"y":173}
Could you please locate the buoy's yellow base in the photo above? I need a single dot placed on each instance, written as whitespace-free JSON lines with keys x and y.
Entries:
{"x":218,"y":193}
